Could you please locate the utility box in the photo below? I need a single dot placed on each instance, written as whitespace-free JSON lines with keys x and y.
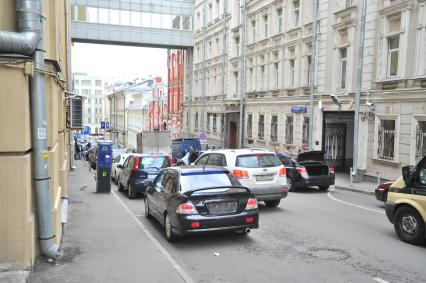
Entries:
{"x":103,"y":167}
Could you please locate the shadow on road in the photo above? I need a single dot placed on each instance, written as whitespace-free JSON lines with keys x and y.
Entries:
{"x":309,"y":190}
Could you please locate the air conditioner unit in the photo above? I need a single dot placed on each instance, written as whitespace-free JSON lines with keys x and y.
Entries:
{"x":75,"y":113}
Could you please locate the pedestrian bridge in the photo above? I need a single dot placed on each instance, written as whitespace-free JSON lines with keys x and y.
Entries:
{"x":146,"y":23}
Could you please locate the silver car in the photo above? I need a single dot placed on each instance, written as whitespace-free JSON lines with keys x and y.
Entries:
{"x":119,"y":160}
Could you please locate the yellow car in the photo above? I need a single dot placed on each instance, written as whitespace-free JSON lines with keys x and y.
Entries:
{"x":406,"y":204}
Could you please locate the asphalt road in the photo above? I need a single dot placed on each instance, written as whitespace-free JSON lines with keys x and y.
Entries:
{"x":313,"y":236}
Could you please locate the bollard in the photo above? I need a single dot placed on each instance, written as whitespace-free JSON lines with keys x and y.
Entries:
{"x":378,"y":178}
{"x":351,"y":175}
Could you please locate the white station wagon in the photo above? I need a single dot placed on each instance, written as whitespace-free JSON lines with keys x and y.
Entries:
{"x":259,"y":170}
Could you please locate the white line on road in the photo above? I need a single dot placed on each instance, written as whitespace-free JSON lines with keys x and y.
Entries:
{"x":380,"y":280}
{"x":348,"y":203}
{"x":157,"y":244}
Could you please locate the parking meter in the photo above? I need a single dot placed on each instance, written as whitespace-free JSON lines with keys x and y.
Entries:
{"x":103,"y":167}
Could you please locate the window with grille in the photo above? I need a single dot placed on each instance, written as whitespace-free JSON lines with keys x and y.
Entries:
{"x":250,"y":125}
{"x":386,"y":139}
{"x":280,"y":20}
{"x":289,"y":130}
{"x":261,"y":127}
{"x":420,"y":139}
{"x":305,"y":133}
{"x":274,"y":128}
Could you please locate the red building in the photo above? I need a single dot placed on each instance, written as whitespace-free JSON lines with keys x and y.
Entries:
{"x":176,"y":73}
{"x":158,"y":106}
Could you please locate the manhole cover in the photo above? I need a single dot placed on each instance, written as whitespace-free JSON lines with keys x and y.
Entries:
{"x":329,"y":254}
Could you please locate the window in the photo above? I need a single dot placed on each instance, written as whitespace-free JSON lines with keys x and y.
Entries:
{"x":420,"y":139}
{"x":305,"y":133}
{"x":89,"y":120}
{"x":237,"y":46}
{"x":86,"y":82}
{"x":296,"y":11}
{"x":280,"y":20}
{"x":208,"y":121}
{"x":274,"y":128}
{"x":209,"y":18}
{"x":203,"y":160}
{"x":98,"y":91}
{"x":386,"y":139}
{"x":343,"y":63}
{"x":196,"y":121}
{"x":265,"y":22}
{"x":291,"y":65}
{"x":214,"y":123}
{"x":261,"y":127}
{"x":169,"y":182}
{"x":250,"y":125}
{"x":393,"y":54}
{"x":89,"y":110}
{"x":217,"y":46}
{"x":236,"y":82}
{"x":276,"y":73}
{"x":262,"y":77}
{"x":289,"y":130}
{"x":98,"y":83}
{"x":253,"y":30}
{"x":309,"y":66}
{"x":217,"y":8}
{"x":217,"y":159}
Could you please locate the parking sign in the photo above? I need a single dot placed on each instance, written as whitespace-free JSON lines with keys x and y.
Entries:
{"x":102,"y":125}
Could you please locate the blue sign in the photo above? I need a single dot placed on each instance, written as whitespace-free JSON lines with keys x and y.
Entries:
{"x":102,"y":125}
{"x":299,"y":109}
{"x":86,"y":130}
{"x":202,"y":136}
{"x":107,"y":125}
{"x":78,"y":136}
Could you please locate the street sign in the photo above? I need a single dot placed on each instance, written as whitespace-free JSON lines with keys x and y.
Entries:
{"x":86,"y":130}
{"x":106,"y":125}
{"x":102,"y":125}
{"x":202,"y":136}
{"x":299,"y":109}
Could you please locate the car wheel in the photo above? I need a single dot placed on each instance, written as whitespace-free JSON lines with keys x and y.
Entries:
{"x":323,"y":188}
{"x":409,"y":226}
{"x":120,"y":186}
{"x":130,"y":192}
{"x":290,"y":185}
{"x":385,"y":196}
{"x":168,"y":230}
{"x":147,"y":211}
{"x":272,"y":203}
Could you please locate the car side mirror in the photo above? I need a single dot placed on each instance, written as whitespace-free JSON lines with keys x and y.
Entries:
{"x":406,"y":175}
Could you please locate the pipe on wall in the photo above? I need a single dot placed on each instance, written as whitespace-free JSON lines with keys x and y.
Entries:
{"x":29,"y":41}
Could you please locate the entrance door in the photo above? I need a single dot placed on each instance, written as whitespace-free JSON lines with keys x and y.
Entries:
{"x":334,"y":145}
{"x":232,"y":135}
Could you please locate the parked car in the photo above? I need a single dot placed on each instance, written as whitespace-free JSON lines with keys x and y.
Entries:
{"x":406,"y":204}
{"x":258,"y":170}
{"x":181,"y":146}
{"x":381,"y":191}
{"x":197,"y":199}
{"x":116,"y":151}
{"x":119,"y":160}
{"x":138,"y":169}
{"x":308,"y":169}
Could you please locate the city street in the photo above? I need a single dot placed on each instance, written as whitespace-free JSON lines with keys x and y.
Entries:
{"x":337,"y":236}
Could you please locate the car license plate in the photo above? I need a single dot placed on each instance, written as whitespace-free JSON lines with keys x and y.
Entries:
{"x":222,"y":207}
{"x":264,"y":177}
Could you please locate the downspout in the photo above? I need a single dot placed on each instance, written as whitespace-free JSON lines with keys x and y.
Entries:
{"x":29,"y":41}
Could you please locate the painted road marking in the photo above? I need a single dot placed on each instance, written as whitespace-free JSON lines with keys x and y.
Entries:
{"x":378,"y":279}
{"x":351,"y":204}
{"x":157,"y":244}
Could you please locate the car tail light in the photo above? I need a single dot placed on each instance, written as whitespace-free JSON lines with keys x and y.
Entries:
{"x":240,"y":174}
{"x":302,"y":171}
{"x":249,"y":219}
{"x":195,"y":225}
{"x":251,"y":204}
{"x":331,"y":170}
{"x":284,"y":189}
{"x":283,"y":172}
{"x":170,"y":160}
{"x":136,"y":164}
{"x":186,"y":208}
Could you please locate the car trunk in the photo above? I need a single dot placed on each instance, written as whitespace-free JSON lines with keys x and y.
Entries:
{"x":220,"y":201}
{"x":316,"y":169}
{"x":313,"y":161}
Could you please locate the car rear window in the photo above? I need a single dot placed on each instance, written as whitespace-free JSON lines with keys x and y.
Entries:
{"x":197,"y":180}
{"x":154,"y":162}
{"x":257,"y":160}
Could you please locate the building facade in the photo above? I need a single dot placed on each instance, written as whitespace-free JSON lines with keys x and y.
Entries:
{"x":19,"y":238}
{"x":91,"y":88}
{"x":269,"y":46}
{"x":158,"y":106}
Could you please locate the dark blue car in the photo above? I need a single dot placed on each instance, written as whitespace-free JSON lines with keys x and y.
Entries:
{"x":138,"y":169}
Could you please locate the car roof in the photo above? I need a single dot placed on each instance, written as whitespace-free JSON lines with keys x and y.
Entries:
{"x":198,"y":168}
{"x":146,"y":154}
{"x":238,"y":151}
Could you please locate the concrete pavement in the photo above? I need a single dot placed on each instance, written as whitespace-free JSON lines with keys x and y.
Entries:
{"x":102,"y":243}
{"x":343,"y":182}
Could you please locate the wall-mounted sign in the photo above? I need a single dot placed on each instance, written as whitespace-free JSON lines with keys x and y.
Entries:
{"x":299,"y":109}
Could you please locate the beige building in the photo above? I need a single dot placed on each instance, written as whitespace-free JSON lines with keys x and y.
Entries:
{"x":19,"y":244}
{"x":276,"y":53}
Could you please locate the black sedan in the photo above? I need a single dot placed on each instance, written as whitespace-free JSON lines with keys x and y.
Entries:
{"x":308,"y":169}
{"x":197,"y":199}
{"x":138,"y":169}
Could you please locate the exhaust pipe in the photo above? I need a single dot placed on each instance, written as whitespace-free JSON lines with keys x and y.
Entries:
{"x":247,"y":230}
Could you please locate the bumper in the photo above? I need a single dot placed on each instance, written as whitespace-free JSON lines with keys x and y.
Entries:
{"x":380,"y":194}
{"x":211,"y":224}
{"x":390,"y":210}
{"x":139,"y":186}
{"x":315,"y":181}
{"x":263,"y":194}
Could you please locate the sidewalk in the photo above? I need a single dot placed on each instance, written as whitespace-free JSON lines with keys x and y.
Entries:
{"x":343,"y":182}
{"x":102,"y":243}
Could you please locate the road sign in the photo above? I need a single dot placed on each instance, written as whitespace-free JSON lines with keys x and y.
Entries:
{"x":86,"y":130}
{"x":299,"y":109}
{"x":102,"y":125}
{"x":202,"y":136}
{"x":106,"y":125}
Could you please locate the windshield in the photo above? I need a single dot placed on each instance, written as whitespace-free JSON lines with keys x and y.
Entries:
{"x":154,"y":162}
{"x":257,"y":160}
{"x":197,"y":180}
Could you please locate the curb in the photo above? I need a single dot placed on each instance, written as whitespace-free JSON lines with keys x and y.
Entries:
{"x":351,"y":189}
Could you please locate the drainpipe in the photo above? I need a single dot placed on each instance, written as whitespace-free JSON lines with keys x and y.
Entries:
{"x":242,"y":73}
{"x":30,"y":42}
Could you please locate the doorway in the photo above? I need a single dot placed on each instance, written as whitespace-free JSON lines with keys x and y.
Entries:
{"x":232,"y":135}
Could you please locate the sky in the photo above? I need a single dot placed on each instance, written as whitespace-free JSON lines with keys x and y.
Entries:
{"x":114,"y":62}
